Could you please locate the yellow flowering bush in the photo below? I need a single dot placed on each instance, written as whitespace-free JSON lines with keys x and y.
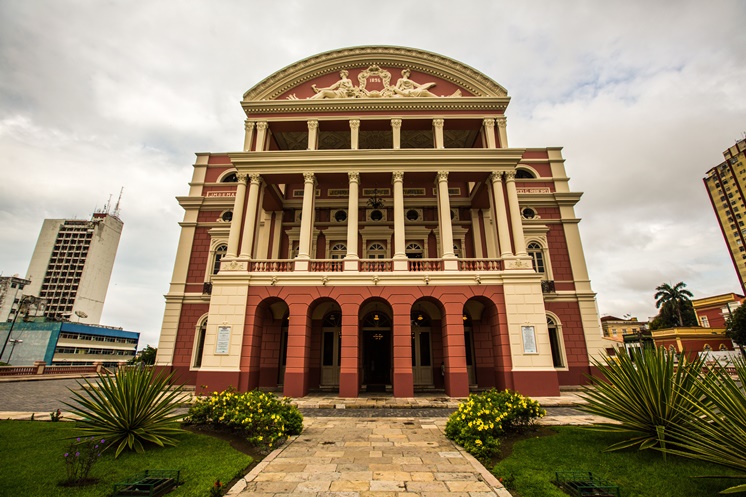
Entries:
{"x":261,"y":417}
{"x":481,"y":419}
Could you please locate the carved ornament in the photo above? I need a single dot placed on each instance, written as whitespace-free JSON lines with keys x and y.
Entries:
{"x":397,"y":176}
{"x":354,"y":176}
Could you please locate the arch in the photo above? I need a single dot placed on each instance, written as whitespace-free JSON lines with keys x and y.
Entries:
{"x":427,"y":343}
{"x":265,"y":346}
{"x":229,"y":176}
{"x":325,"y":330}
{"x":198,"y":350}
{"x":488,"y":347}
{"x":525,"y":172}
{"x":375,"y":316}
{"x":434,"y":65}
{"x":556,"y":341}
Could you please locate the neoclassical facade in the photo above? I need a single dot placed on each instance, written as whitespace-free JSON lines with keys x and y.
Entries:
{"x":377,"y":233}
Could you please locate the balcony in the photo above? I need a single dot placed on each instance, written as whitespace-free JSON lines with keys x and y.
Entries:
{"x":368,"y":266}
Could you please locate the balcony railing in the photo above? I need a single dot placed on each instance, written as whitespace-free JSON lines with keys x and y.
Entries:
{"x":327,"y":265}
{"x":271,"y":266}
{"x":480,"y":264}
{"x":419,"y":265}
{"x":376,"y":265}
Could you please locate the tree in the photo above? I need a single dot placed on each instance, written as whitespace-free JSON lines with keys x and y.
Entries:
{"x":677,"y":297}
{"x":146,"y":356}
{"x":668,"y":318}
{"x":735,"y":327}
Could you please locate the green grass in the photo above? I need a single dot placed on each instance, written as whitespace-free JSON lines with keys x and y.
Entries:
{"x":31,"y":458}
{"x":638,"y":473}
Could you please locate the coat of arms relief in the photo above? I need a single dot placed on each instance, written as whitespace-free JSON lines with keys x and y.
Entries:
{"x":374,"y":82}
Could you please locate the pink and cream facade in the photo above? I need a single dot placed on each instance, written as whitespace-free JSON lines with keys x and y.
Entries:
{"x":377,"y":232}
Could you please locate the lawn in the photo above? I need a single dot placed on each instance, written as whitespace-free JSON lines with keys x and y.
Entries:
{"x":638,"y":473}
{"x":33,"y":463}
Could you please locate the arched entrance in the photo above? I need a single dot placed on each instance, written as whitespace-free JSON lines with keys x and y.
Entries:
{"x":331,"y":349}
{"x":375,"y":333}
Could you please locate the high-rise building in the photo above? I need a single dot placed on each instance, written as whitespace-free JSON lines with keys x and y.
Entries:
{"x":726,"y":185}
{"x":376,"y":232}
{"x":71,"y":266}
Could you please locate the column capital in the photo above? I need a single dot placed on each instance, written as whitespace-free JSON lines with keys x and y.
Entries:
{"x":255,"y":178}
{"x":489,"y":123}
{"x":397,"y":176}
{"x":262,"y":126}
{"x":309,"y":178}
{"x":313,"y":124}
{"x":396,"y":123}
{"x":509,"y":176}
{"x":242,"y":178}
{"x":496,"y":176}
{"x":354,"y":123}
{"x":442,"y":176}
{"x":248,"y":125}
{"x":354,"y":176}
{"x":502,"y":121}
{"x":438,"y":123}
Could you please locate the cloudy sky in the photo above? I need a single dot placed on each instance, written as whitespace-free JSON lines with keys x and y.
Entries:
{"x":643,"y":96}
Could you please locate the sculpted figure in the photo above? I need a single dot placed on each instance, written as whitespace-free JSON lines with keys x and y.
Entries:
{"x":405,"y":87}
{"x":341,"y":89}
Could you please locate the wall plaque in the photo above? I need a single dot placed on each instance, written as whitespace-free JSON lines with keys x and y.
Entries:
{"x":529,"y":339}
{"x":224,"y":340}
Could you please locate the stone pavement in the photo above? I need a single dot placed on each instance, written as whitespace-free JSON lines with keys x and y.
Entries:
{"x":370,"y":457}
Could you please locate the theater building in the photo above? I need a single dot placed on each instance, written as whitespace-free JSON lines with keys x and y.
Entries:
{"x":376,"y":232}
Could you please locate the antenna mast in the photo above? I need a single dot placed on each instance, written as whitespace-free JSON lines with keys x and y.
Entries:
{"x":116,"y":209}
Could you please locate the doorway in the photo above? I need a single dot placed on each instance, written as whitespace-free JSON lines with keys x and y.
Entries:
{"x":376,"y":334}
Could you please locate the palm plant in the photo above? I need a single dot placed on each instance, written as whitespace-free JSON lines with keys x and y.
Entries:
{"x":675,"y":296}
{"x":645,"y":393}
{"x":129,"y":408}
{"x":717,"y":432}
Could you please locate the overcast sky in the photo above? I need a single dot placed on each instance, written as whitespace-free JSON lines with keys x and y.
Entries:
{"x":643,"y":96}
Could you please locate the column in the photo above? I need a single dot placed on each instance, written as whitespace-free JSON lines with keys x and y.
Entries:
{"x":298,"y":352}
{"x":401,"y":336}
{"x":399,"y":235}
{"x":438,"y":125}
{"x":501,"y":214}
{"x":454,"y":352}
{"x":515,"y":214}
{"x":489,"y":131}
{"x":354,"y":133}
{"x":476,"y":233}
{"x":502,"y":127}
{"x":237,"y":221}
{"x":396,"y":132}
{"x":446,"y":230}
{"x":249,"y":128}
{"x":313,"y":134}
{"x":349,"y":377}
{"x":261,"y":136}
{"x":247,"y":242}
{"x":351,"y":257}
{"x":307,"y":215}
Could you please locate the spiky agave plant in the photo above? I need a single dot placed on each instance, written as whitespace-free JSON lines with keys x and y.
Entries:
{"x":646,"y":393}
{"x":129,"y":408}
{"x":717,"y":433}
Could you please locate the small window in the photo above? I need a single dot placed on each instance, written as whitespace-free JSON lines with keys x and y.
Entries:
{"x":340,"y":216}
{"x":338,"y":251}
{"x":528,"y":213}
{"x":413,"y":215}
{"x":523,"y":174}
{"x":230,"y":178}
{"x":200,"y":344}
{"x":376,"y":215}
{"x":220,"y":252}
{"x":704,"y":321}
{"x":537,"y":256}
{"x":414,"y":251}
{"x":376,"y":251}
{"x":227,"y":216}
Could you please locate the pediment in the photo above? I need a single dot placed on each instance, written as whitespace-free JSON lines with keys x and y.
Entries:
{"x":375,"y":73}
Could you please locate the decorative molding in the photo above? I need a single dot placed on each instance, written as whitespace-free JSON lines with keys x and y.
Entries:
{"x":496,"y":176}
{"x":438,"y":123}
{"x":396,"y":123}
{"x":249,"y":125}
{"x":502,"y":121}
{"x":354,"y":123}
{"x":309,"y":178}
{"x":354,"y":176}
{"x":397,"y":176}
{"x":242,"y":178}
{"x":262,"y":126}
{"x":313,"y":125}
{"x":510,"y":176}
{"x":489,"y":123}
{"x":442,"y":176}
{"x":255,"y":178}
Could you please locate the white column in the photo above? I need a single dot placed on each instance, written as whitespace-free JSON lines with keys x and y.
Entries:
{"x":476,"y":233}
{"x":352,"y":215}
{"x":399,"y":235}
{"x":236,"y":221}
{"x":307,"y":215}
{"x":438,"y":125}
{"x":247,"y":242}
{"x":396,"y":132}
{"x":502,"y":126}
{"x":501,"y":214}
{"x":249,"y":128}
{"x":313,"y":135}
{"x":515,"y":214}
{"x":261,"y":136}
{"x":446,"y":230}
{"x":354,"y":134}
{"x":489,"y":131}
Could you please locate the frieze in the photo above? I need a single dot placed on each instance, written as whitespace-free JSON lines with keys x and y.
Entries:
{"x":533,"y":190}
{"x":221,"y":194}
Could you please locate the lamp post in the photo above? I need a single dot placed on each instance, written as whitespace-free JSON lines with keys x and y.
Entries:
{"x":26,"y":301}
{"x":13,"y":341}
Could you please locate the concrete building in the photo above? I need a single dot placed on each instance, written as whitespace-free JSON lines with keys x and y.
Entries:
{"x":71,"y":266}
{"x":726,"y":184}
{"x":11,"y":291}
{"x":712,"y":312}
{"x":615,"y":328}
{"x":376,"y":232}
{"x":63,"y":343}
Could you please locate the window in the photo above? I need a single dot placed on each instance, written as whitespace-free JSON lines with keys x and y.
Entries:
{"x":340,"y":216}
{"x":376,"y":251}
{"x":537,"y":256}
{"x":338,"y":251}
{"x":230,"y":178}
{"x":704,"y":321}
{"x":227,"y":216}
{"x":555,"y":342}
{"x":528,"y":213}
{"x":523,"y":174}
{"x":200,"y":345}
{"x":220,"y":252}
{"x":413,"y":215}
{"x":414,"y":250}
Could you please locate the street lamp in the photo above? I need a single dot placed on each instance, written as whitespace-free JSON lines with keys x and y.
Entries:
{"x":25,"y":302}
{"x":13,"y":341}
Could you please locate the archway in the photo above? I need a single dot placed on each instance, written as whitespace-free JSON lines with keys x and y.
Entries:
{"x":487,"y":351}
{"x":326,"y":346}
{"x":270,"y":333}
{"x":427,"y":344}
{"x":377,"y":351}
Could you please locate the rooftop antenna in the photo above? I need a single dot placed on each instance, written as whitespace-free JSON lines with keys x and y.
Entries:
{"x":119,"y":200}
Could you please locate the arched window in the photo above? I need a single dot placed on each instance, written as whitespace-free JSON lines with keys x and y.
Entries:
{"x":200,"y":343}
{"x":220,"y":252}
{"x":537,"y":256}
{"x":230,"y":178}
{"x":376,"y":319}
{"x":338,"y":251}
{"x":376,"y":251}
{"x":555,"y":342}
{"x":523,"y":174}
{"x":414,"y":250}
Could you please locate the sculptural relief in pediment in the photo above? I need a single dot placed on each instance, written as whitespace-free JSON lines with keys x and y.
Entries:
{"x":375,"y":82}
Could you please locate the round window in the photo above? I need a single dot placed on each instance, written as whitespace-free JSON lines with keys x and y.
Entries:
{"x":227,"y":216}
{"x":413,"y":215}
{"x":376,"y":215}
{"x":528,"y":213}
{"x":340,"y":216}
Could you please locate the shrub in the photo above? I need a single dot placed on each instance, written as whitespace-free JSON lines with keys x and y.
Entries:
{"x":645,"y":392}
{"x":130,"y":408}
{"x":260,"y":416}
{"x":483,"y":418}
{"x":80,"y":458}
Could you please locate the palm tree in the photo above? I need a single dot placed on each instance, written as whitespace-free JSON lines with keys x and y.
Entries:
{"x":675,"y":296}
